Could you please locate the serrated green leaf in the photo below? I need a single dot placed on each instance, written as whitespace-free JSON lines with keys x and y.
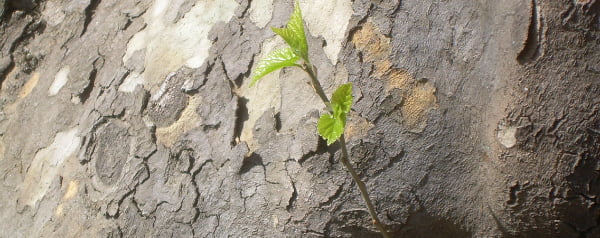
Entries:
{"x":289,"y":37}
{"x":275,"y":60}
{"x":294,"y":34}
{"x":341,"y":100}
{"x":330,"y":127}
{"x":296,"y":25}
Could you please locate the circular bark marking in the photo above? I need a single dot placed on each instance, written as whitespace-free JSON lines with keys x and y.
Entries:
{"x":111,"y":151}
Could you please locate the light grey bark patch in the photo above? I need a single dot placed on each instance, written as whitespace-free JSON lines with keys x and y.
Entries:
{"x":138,"y":101}
{"x":81,"y":77}
{"x":167,"y":191}
{"x":136,"y":61}
{"x":242,"y":9}
{"x":219,"y":103}
{"x":306,"y":139}
{"x":132,"y":223}
{"x":238,"y":42}
{"x":86,"y":89}
{"x":197,"y":78}
{"x":111,"y":232}
{"x":110,"y":198}
{"x":144,"y":141}
{"x":264,"y":128}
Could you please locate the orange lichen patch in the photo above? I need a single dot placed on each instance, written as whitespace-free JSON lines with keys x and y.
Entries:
{"x":1,"y":150}
{"x":382,"y":69}
{"x":370,"y":41}
{"x":28,"y":87}
{"x":398,"y":79}
{"x":420,"y":97}
{"x":71,"y":190}
{"x":356,"y":126}
{"x":188,"y":120}
{"x":59,"y":210}
{"x":417,"y":105}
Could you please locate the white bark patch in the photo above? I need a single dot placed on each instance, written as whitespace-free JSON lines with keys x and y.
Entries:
{"x":53,"y":13}
{"x":133,"y":80}
{"x":328,"y":19}
{"x":261,"y":12}
{"x":60,"y":80}
{"x":45,"y":166}
{"x":170,"y":45}
{"x":507,"y":136}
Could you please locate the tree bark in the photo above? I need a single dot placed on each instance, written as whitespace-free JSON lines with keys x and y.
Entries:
{"x":134,"y":118}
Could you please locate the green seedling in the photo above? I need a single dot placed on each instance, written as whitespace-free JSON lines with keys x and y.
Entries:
{"x":332,"y":123}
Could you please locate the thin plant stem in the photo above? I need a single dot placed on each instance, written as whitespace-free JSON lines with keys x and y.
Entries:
{"x":308,"y":68}
{"x":361,"y":186}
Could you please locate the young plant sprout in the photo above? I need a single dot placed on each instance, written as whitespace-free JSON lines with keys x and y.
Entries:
{"x":331,"y":124}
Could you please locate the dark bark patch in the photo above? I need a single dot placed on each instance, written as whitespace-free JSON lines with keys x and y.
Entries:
{"x":250,"y":162}
{"x":111,"y":149}
{"x":241,"y":116}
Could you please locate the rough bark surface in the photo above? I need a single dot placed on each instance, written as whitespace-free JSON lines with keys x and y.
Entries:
{"x":134,"y":118}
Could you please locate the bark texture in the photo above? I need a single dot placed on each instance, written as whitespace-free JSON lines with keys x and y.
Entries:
{"x":134,"y":118}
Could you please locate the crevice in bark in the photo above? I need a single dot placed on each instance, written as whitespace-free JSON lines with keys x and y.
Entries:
{"x":241,"y":116}
{"x":293,"y":198}
{"x":7,"y":70}
{"x":250,"y":162}
{"x":90,"y":10}
{"x":24,"y":5}
{"x":87,"y":91}
{"x":322,"y":148}
{"x":533,"y":43}
{"x":277,"y":117}
{"x":119,"y":202}
{"x":246,"y":75}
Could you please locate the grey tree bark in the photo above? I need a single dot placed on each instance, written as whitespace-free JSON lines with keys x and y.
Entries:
{"x":134,"y":118}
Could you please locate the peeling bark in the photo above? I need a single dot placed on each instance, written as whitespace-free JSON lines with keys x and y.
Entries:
{"x":127,"y":118}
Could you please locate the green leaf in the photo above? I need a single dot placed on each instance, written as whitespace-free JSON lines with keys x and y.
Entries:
{"x":296,"y":25}
{"x":330,"y":127}
{"x":274,"y":61}
{"x":288,"y":36}
{"x":341,"y":100}
{"x":294,"y":34}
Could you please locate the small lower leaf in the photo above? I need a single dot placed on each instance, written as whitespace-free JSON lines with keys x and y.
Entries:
{"x":330,"y":127}
{"x":341,"y":100}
